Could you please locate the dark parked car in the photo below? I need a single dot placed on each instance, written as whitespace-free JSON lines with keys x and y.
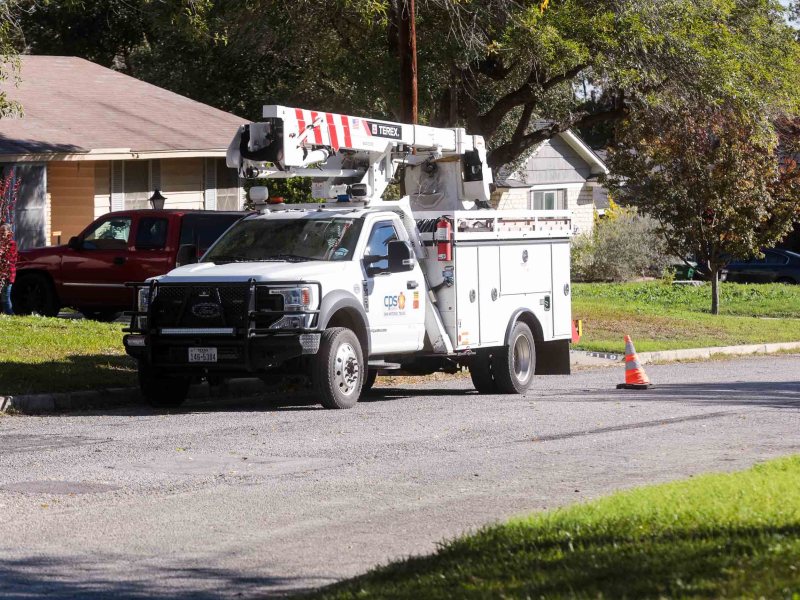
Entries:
{"x":89,"y":273}
{"x":777,"y":266}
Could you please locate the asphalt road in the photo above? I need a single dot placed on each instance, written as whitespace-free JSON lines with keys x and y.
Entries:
{"x":246,"y":497}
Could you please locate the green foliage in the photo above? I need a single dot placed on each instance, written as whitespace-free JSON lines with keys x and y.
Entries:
{"x":56,"y":355}
{"x":667,"y":317}
{"x":714,"y":536}
{"x":499,"y":67}
{"x":623,"y":245}
{"x":712,"y":177}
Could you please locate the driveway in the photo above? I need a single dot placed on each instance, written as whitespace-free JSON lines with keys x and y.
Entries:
{"x":244,"y":497}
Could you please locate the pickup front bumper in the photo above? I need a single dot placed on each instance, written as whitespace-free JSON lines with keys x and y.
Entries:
{"x":221,"y":329}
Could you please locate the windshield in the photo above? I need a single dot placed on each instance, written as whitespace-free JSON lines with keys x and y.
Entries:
{"x":293,"y":240}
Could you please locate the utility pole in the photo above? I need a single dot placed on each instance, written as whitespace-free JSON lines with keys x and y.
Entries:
{"x":408,"y":61}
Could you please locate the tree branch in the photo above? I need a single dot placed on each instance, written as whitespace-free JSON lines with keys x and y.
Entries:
{"x":505,"y":153}
{"x":487,"y":124}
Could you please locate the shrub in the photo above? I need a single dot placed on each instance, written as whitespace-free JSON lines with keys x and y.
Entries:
{"x":623,"y":246}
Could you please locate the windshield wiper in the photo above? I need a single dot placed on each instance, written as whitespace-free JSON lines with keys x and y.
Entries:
{"x":288,"y":258}
{"x":225,"y":259}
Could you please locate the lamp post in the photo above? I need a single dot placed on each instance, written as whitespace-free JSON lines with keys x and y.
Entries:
{"x":157,"y":200}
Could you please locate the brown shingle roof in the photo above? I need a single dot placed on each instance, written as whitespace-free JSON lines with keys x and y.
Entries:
{"x":73,"y":105}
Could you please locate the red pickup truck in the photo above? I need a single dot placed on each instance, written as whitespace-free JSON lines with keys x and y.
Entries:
{"x":90,"y":272}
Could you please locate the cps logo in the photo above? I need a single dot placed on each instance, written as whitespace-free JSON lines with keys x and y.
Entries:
{"x":398,"y":301}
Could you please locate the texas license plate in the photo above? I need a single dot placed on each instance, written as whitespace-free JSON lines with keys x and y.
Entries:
{"x":202,"y":355}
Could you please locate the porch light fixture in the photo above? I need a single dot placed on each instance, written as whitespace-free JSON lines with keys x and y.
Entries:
{"x":157,"y":200}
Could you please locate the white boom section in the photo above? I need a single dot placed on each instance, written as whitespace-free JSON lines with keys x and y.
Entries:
{"x":363,"y":155}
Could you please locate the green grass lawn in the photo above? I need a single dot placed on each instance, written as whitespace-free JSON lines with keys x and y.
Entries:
{"x":38,"y":354}
{"x":659,"y":316}
{"x":715,"y":536}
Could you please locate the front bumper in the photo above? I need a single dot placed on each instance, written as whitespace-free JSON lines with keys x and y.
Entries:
{"x":260,"y":354}
{"x":246,"y":337}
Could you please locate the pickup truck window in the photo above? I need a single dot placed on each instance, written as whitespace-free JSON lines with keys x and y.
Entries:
{"x":203,"y":230}
{"x":151,"y":233}
{"x":254,"y":240}
{"x":111,"y":234}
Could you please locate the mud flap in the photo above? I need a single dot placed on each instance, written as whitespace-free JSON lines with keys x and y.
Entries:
{"x":552,"y":358}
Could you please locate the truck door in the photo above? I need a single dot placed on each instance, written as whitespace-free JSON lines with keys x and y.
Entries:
{"x":396,"y":300}
{"x":95,"y":275}
{"x":153,"y":256}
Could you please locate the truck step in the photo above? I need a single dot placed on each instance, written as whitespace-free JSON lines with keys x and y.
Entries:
{"x":380,"y":364}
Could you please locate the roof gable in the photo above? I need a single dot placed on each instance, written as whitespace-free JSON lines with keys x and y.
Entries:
{"x":71,"y":105}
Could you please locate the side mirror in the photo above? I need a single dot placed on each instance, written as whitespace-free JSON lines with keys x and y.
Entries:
{"x":75,"y":243}
{"x":401,"y":257}
{"x":187,"y":255}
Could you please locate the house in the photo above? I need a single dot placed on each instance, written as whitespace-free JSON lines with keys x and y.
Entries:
{"x":561,"y":174}
{"x":92,"y":140}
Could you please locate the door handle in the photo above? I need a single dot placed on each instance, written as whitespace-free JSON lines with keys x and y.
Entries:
{"x":119,"y":260}
{"x":411,"y":285}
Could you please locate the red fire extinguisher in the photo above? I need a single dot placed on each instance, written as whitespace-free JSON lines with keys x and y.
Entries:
{"x":444,"y":233}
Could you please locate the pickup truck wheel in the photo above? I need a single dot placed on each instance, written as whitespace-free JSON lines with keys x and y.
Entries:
{"x":161,"y":391}
{"x":338,"y":370}
{"x":481,"y":371}
{"x":515,"y":364}
{"x":34,"y":295}
{"x":103,"y":316}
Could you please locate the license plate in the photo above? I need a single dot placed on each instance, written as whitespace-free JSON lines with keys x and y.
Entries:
{"x":202,"y":355}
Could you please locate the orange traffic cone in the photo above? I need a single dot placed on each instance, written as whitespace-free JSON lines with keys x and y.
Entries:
{"x":635,"y":377}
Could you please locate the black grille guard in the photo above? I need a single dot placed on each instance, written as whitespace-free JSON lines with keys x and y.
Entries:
{"x":249,"y":328}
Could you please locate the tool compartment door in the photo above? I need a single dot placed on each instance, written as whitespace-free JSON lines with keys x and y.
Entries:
{"x":562,"y":290}
{"x":467,"y":302}
{"x":525,"y":268}
{"x":492,"y":329}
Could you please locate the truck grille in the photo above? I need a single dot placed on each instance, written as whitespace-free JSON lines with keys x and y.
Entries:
{"x":200,"y":306}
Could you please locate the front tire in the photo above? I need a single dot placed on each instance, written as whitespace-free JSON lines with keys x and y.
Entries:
{"x":34,"y":295}
{"x":369,"y":381}
{"x":162,"y":391}
{"x":338,"y":370}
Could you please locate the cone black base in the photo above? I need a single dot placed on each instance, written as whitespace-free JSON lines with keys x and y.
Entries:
{"x":634,"y":386}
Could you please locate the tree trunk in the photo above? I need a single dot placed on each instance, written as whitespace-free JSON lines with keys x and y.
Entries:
{"x":714,"y":291}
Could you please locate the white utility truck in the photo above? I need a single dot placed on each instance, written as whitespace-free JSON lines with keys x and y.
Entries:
{"x":356,"y":285}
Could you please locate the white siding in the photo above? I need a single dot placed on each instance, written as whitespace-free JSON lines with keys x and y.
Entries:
{"x":182,"y":182}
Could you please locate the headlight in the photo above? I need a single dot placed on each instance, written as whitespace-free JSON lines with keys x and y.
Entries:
{"x":142,"y":304}
{"x":143,"y":299}
{"x":298,"y":298}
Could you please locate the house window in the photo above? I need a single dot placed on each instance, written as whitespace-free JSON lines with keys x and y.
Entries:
{"x":133,"y":182}
{"x":548,"y":200}
{"x":228,"y":196}
{"x":136,"y":184}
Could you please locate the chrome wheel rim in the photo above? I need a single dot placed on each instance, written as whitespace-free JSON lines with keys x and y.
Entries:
{"x":523,"y":358}
{"x":347,"y":371}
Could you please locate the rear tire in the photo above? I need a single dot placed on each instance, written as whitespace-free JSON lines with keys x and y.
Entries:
{"x":514,"y":365}
{"x":338,"y":370}
{"x":34,"y":295}
{"x":162,"y":391}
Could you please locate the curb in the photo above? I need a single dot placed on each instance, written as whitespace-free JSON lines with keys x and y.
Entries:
{"x":689,"y":353}
{"x":115,"y":397}
{"x":692,"y":353}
